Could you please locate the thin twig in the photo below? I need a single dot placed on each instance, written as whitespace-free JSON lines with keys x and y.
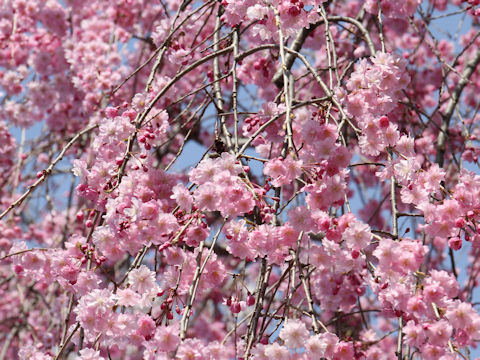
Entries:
{"x":47,"y":171}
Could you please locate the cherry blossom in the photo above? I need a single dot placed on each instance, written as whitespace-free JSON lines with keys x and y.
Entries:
{"x":281,"y":179}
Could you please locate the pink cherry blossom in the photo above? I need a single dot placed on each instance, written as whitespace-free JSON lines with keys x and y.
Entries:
{"x":289,"y":179}
{"x":294,"y":333}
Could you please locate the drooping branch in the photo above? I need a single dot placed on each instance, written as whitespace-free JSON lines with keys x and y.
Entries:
{"x":45,"y":173}
{"x":469,"y":69}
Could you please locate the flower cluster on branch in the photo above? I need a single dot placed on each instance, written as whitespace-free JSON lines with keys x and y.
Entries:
{"x":208,"y":180}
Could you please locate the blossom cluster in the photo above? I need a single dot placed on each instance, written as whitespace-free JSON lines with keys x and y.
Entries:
{"x":200,"y":180}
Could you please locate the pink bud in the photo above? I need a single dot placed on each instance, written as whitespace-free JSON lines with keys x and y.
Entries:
{"x":383,"y":122}
{"x":80,"y":216}
{"x":460,"y":222}
{"x":18,"y":268}
{"x":455,"y":243}
{"x":294,"y":11}
{"x":360,"y":291}
{"x":324,"y":224}
{"x":235,"y":308}
{"x":250,"y":300}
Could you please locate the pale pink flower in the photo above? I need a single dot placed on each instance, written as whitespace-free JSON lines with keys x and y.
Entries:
{"x":357,"y":235}
{"x":182,"y":196}
{"x":294,"y":333}
{"x":414,"y":334}
{"x":439,"y":333}
{"x":142,"y":279}
{"x":127,"y":297}
{"x":166,"y":337}
{"x":277,"y":352}
{"x":90,"y":354}
{"x":344,"y":351}
{"x":321,"y":345}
